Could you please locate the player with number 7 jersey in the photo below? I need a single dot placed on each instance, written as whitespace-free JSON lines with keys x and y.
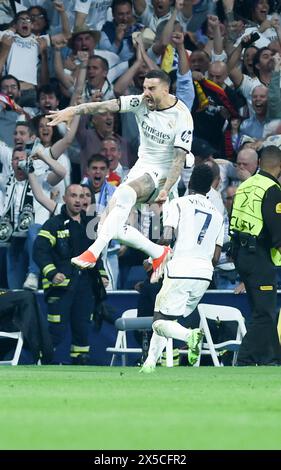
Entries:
{"x":199,"y":229}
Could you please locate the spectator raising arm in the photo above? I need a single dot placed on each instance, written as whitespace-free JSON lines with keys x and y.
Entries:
{"x":184,"y":86}
{"x":57,"y":172}
{"x":59,"y":147}
{"x":5,"y":46}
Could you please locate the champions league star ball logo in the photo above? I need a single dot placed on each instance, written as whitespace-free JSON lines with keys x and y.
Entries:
{"x":134,"y":102}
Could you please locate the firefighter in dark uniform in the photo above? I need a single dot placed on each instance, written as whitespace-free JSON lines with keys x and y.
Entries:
{"x":255,"y":227}
{"x":68,"y":291}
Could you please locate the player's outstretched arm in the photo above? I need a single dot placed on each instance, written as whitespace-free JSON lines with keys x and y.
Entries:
{"x":175,"y":171}
{"x":67,"y":114}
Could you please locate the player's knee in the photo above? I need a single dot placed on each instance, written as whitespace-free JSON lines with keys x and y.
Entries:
{"x":157,"y":327}
{"x":125,"y":195}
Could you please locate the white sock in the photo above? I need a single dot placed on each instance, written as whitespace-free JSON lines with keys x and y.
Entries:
{"x":171,"y":329}
{"x":156,"y":347}
{"x":130,"y":236}
{"x":125,"y":198}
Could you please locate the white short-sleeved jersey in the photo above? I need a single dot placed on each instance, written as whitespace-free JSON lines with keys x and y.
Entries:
{"x":199,"y":228}
{"x":96,"y":11}
{"x":160,"y":131}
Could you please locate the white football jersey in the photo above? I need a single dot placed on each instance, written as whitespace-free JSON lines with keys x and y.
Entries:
{"x":199,"y":228}
{"x":160,"y":131}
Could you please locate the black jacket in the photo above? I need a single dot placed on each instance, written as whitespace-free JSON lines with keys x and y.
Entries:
{"x":60,"y":239}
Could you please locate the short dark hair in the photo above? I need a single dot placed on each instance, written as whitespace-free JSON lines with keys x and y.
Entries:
{"x":163,"y":76}
{"x":201,"y":179}
{"x":48,"y":89}
{"x":256,"y":59}
{"x":97,"y":157}
{"x":28,"y":124}
{"x":42,"y":11}
{"x":116,"y":3}
{"x":9,"y":77}
{"x":19,"y":14}
{"x":270,"y":157}
{"x":18,"y":148}
{"x":215,"y":169}
{"x":201,"y":148}
{"x":104,"y":61}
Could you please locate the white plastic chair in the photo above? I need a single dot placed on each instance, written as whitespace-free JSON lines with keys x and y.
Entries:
{"x":141,"y":324}
{"x":121,"y":341}
{"x":17,"y":335}
{"x":220,"y":313}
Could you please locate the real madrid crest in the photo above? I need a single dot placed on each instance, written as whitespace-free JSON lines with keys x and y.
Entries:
{"x":6,"y":229}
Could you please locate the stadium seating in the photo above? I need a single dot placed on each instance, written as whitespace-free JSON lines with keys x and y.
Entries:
{"x":121,"y":339}
{"x":129,"y":321}
{"x":17,"y":335}
{"x":220,"y":313}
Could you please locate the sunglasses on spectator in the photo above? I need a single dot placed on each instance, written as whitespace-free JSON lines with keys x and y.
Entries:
{"x":24,"y":20}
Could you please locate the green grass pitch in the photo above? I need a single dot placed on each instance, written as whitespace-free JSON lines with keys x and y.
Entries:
{"x":99,"y":408}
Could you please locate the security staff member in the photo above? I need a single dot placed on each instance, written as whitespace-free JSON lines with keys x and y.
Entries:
{"x":68,"y":291}
{"x":255,"y":226}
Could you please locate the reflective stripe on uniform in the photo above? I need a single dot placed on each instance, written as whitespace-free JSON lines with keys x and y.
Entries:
{"x":54,"y":318}
{"x":63,"y":233}
{"x":76,"y":350}
{"x":46,"y":234}
{"x":48,"y":268}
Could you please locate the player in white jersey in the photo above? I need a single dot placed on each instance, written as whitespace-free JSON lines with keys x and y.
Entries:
{"x":199,"y":230}
{"x":166,"y":127}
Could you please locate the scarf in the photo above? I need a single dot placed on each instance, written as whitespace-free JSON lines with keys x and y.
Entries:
{"x":167,"y":59}
{"x":207,"y":87}
{"x":26,"y":211}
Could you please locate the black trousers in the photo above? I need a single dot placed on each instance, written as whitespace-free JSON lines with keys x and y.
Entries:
{"x":261,"y":344}
{"x":73,"y":305}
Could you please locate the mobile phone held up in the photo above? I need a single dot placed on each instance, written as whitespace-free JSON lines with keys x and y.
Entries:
{"x":253,"y":38}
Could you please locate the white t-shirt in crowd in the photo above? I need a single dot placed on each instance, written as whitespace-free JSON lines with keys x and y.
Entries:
{"x":23,"y":58}
{"x":200,"y":228}
{"x":160,"y":131}
{"x":42,"y":169}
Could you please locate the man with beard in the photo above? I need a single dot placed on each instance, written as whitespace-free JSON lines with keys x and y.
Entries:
{"x":68,"y":291}
{"x":9,"y":109}
{"x":165,"y":126}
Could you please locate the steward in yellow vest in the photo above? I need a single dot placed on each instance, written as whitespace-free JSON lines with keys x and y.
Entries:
{"x":255,"y":228}
{"x":246,"y":217}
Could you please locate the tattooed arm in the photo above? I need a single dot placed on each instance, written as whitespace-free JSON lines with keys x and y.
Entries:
{"x":67,"y":114}
{"x":175,"y":171}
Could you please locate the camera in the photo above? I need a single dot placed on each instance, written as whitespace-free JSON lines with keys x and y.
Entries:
{"x":26,"y":165}
{"x":253,"y":38}
{"x":28,"y":148}
{"x":22,"y":165}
